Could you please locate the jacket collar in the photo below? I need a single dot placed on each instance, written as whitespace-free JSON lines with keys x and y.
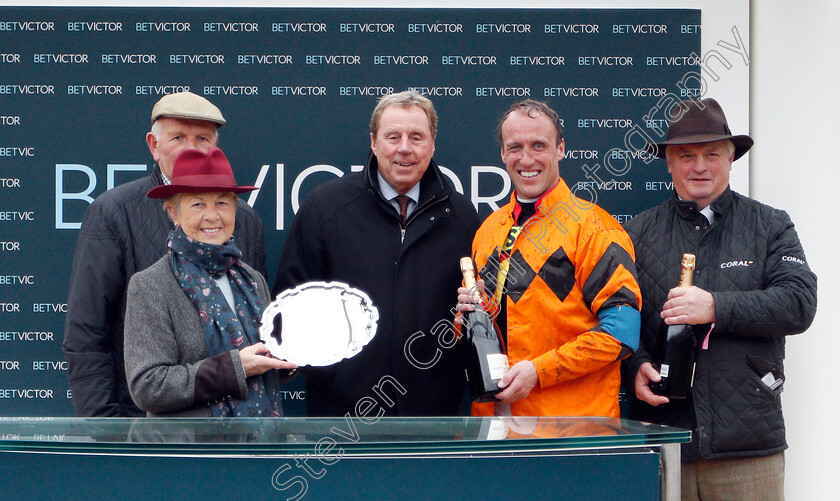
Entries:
{"x":157,"y":175}
{"x":545,"y":203}
{"x":431,"y":184}
{"x":688,"y":209}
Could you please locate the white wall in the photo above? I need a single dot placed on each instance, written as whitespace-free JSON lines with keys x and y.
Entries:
{"x":784,"y":100}
{"x":795,"y":126}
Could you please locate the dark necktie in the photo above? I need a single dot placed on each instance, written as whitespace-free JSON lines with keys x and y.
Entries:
{"x":403,"y":201}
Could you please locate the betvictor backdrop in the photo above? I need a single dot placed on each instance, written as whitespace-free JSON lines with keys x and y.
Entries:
{"x":297,"y":87}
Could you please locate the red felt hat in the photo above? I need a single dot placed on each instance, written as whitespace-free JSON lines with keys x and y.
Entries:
{"x":197,"y":172}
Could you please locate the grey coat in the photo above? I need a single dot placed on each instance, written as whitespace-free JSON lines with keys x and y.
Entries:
{"x":166,"y":365}
{"x":123,"y":232}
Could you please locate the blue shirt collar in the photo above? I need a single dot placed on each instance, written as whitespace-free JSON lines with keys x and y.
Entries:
{"x":388,"y":191}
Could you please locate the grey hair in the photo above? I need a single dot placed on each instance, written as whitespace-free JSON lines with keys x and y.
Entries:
{"x":174,"y":201}
{"x":404,"y":99}
{"x":156,"y":129}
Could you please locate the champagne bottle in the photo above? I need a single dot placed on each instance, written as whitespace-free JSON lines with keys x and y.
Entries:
{"x":675,"y":346}
{"x":485,"y":351}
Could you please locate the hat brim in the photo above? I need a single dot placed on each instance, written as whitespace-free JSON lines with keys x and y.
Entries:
{"x":742,"y":143}
{"x":201,"y":117}
{"x":167,"y":190}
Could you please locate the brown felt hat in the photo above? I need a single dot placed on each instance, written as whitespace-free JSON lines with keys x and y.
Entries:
{"x":188,"y":106}
{"x":197,"y":172}
{"x":702,"y":122}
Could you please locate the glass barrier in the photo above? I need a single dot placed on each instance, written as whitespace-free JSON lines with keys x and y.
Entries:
{"x":349,"y":435}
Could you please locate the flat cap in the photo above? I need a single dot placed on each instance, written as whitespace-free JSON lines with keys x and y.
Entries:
{"x":188,"y":106}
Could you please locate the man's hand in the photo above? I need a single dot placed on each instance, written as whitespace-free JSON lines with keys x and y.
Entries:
{"x":257,"y":360}
{"x":467,"y":299}
{"x":518,"y":382}
{"x":688,"y":305}
{"x":644,"y":377}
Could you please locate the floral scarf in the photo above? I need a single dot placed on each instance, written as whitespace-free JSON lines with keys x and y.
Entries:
{"x":196,"y":264}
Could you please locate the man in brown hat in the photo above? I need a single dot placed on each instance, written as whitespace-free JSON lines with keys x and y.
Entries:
{"x":124,"y":232}
{"x":752,"y":286}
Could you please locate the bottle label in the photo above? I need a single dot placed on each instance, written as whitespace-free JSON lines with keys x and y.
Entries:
{"x":498,"y":365}
{"x":663,"y":371}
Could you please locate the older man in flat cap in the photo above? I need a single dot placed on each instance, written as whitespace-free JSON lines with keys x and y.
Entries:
{"x":752,"y":287}
{"x":124,"y":232}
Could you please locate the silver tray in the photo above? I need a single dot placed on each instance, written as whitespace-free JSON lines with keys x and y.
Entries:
{"x":322,"y":323}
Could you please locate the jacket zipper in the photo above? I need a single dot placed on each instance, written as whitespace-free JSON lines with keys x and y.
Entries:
{"x":416,"y":212}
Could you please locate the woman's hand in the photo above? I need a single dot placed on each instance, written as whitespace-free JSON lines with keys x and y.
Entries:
{"x":257,"y":360}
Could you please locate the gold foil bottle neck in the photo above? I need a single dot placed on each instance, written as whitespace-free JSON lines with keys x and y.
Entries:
{"x":469,"y":272}
{"x":687,"y":274}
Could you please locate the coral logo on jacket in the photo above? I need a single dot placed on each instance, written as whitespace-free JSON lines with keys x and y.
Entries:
{"x":736,"y":264}
{"x":793,"y":259}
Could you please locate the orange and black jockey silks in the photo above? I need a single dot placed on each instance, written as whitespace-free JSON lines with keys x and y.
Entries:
{"x":571,"y":263}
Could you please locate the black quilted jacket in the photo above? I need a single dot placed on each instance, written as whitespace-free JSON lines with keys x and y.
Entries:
{"x":123,"y":232}
{"x":751,"y":261}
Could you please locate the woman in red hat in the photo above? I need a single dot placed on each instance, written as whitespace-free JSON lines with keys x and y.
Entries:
{"x":192,"y":319}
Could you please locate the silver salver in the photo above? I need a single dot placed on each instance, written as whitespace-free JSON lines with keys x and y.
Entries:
{"x":322,"y":323}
